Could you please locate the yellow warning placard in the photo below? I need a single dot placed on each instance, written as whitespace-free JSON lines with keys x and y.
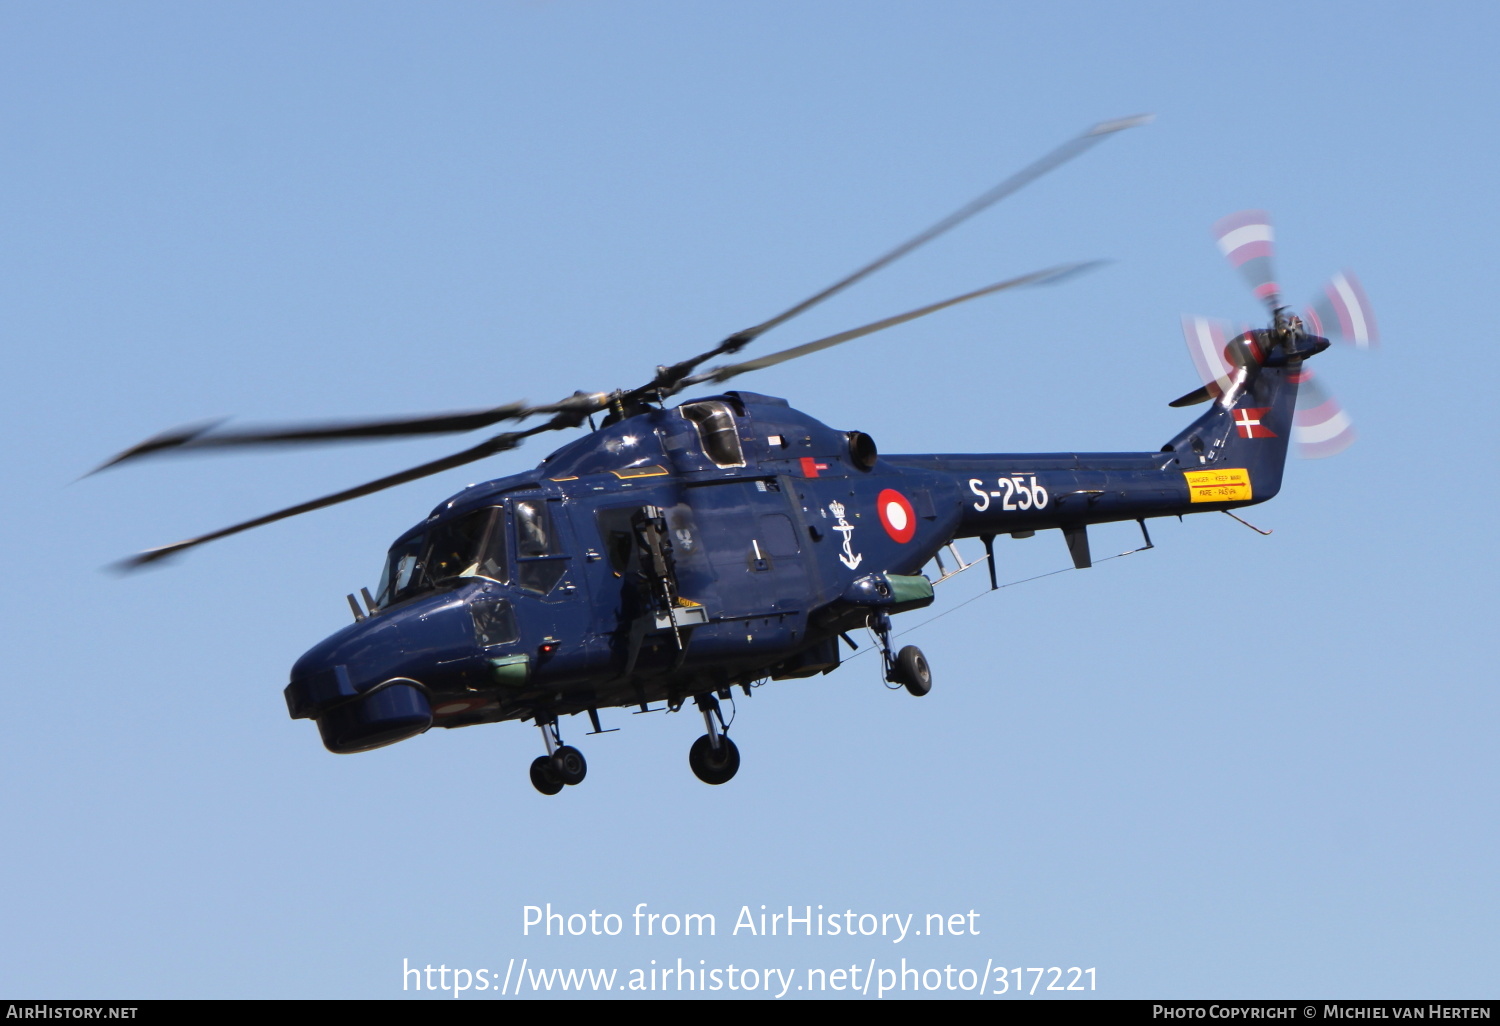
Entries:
{"x":1231,"y":484}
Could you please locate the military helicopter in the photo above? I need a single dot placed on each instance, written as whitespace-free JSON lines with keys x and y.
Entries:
{"x":674,"y":553}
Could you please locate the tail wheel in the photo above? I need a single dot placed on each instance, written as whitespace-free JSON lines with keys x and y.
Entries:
{"x":543,"y":777}
{"x":912,"y":671}
{"x":714,"y":767}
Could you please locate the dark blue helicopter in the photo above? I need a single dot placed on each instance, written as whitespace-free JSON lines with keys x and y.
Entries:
{"x":675,"y":553}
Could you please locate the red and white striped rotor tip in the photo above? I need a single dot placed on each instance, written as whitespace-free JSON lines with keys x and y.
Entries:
{"x":1320,"y":427}
{"x":1206,"y":339}
{"x":1343,"y":312}
{"x":1248,"y":242}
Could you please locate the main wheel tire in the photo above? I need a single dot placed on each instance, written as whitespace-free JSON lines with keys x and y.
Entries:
{"x":569,"y":766}
{"x":714,"y":767}
{"x":912,"y":670}
{"x":543,"y":777}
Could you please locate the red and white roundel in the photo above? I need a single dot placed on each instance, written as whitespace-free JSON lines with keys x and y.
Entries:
{"x":896,"y":515}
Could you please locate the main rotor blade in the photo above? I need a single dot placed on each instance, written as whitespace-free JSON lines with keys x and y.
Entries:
{"x":203,"y":436}
{"x":668,"y":377}
{"x":500,"y":443}
{"x":1047,"y":277}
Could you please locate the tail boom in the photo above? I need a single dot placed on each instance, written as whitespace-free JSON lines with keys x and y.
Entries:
{"x":1231,"y":456}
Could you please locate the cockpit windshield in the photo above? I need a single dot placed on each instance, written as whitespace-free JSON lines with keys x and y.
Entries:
{"x":472,"y":545}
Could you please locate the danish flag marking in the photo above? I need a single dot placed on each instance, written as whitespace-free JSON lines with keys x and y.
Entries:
{"x":1247,"y":423}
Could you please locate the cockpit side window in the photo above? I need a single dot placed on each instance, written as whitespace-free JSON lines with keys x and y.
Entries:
{"x":534,"y":534}
{"x":541,"y":559}
{"x":717,"y":431}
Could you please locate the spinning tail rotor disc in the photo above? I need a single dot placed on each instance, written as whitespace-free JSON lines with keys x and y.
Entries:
{"x":1320,"y":427}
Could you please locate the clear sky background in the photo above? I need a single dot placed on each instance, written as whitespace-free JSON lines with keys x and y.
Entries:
{"x":1232,"y":766}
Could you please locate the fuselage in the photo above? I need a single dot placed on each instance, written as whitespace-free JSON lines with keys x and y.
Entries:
{"x":715,"y":544}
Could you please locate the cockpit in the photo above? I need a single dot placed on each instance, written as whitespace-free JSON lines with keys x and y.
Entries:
{"x":477,"y":544}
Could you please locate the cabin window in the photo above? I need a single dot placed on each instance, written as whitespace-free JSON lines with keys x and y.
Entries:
{"x":717,"y":431}
{"x":618,"y":535}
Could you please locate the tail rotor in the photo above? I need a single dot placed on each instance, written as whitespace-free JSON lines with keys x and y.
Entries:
{"x":1225,"y":363}
{"x":1320,"y":427}
{"x":1343,"y":312}
{"x":1248,"y":241}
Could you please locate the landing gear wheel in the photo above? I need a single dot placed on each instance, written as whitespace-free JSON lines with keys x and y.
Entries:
{"x":543,"y":777}
{"x":714,"y":767}
{"x":912,"y":671}
{"x":568,"y":765}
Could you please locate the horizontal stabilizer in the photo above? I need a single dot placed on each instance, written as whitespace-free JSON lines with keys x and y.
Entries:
{"x":1193,"y":398}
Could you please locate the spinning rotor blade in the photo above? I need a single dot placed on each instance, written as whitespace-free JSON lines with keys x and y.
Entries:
{"x":500,"y":443}
{"x":1320,"y":427}
{"x":1344,"y":312}
{"x":1247,"y":241}
{"x":1047,"y":277}
{"x":202,"y":437}
{"x":571,"y":412}
{"x":1206,"y":339}
{"x":669,"y":379}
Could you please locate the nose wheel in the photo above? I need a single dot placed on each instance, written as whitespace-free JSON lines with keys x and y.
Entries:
{"x":714,"y":758}
{"x":563,"y":765}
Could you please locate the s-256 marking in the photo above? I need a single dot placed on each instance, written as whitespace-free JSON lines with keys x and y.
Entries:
{"x":1014,"y":493}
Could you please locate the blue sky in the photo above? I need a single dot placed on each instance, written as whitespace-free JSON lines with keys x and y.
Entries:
{"x":1232,"y":766}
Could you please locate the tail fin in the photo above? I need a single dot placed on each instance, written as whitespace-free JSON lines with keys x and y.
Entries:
{"x":1248,"y":429}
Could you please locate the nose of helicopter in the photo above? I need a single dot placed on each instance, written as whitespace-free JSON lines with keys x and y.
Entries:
{"x":369,"y":684}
